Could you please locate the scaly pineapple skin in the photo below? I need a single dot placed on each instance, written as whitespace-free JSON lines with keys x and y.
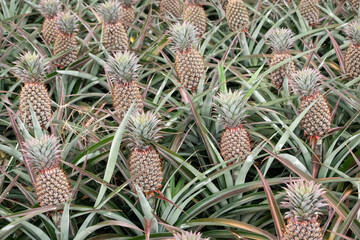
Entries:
{"x":115,"y":37}
{"x":195,"y":14}
{"x":304,"y":230}
{"x":36,"y":94}
{"x":309,"y":11}
{"x":171,"y":6}
{"x":124,"y":94}
{"x":49,"y":30}
{"x":52,"y":187}
{"x":317,"y":120}
{"x":127,"y":16}
{"x":189,"y":66}
{"x":64,"y":43}
{"x":237,"y":15}
{"x":235,"y":143}
{"x":352,"y":61}
{"x":278,"y":75}
{"x":355,"y":4}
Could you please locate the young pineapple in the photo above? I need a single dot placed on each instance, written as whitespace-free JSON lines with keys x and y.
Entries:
{"x":195,"y":14}
{"x":310,"y":11}
{"x":352,"y":55}
{"x":237,"y":15}
{"x":170,"y":6}
{"x":189,"y":236}
{"x":50,"y":9}
{"x":145,"y":164}
{"x":280,"y":41}
{"x":235,"y":140}
{"x":30,"y":69}
{"x":127,"y":13}
{"x":121,"y":70}
{"x":114,"y":36}
{"x":51,"y":184}
{"x":189,"y":64}
{"x":303,"y":201}
{"x":65,"y":40}
{"x":317,"y":120}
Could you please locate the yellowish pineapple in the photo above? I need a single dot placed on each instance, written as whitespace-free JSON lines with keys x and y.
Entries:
{"x":237,"y":15}
{"x":235,"y":140}
{"x":189,"y":64}
{"x":50,"y":9}
{"x":127,"y":13}
{"x":114,"y":36}
{"x":189,"y":236}
{"x":172,"y":7}
{"x":352,"y":55}
{"x":195,"y":14}
{"x":310,"y":11}
{"x":280,"y":41}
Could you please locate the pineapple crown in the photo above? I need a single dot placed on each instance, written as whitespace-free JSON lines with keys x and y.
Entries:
{"x":142,"y":128}
{"x":353,"y":32}
{"x":230,"y":108}
{"x":127,"y":3}
{"x":183,"y":36}
{"x":30,"y":67}
{"x":303,"y":200}
{"x":43,"y":153}
{"x":122,"y":67}
{"x":306,"y":82}
{"x":109,"y":11}
{"x":67,"y":23}
{"x":280,"y":39}
{"x":50,"y":8}
{"x":189,"y":236}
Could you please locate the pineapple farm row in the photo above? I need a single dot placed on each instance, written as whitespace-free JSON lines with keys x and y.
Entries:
{"x":172,"y":119}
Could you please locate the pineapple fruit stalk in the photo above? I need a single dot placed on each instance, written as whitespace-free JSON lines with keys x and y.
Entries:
{"x":237,"y":15}
{"x":127,"y":13}
{"x":352,"y":55}
{"x":172,"y":7}
{"x":65,"y":41}
{"x":114,"y":36}
{"x":235,"y":140}
{"x":310,"y":11}
{"x":280,"y":41}
{"x":50,"y":9}
{"x":121,"y":70}
{"x":304,"y":202}
{"x":189,"y":236}
{"x":189,"y":64}
{"x":317,"y":120}
{"x":195,"y":14}
{"x":30,"y":69}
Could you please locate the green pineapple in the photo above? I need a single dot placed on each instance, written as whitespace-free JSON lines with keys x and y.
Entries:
{"x":189,"y":236}
{"x":310,"y":11}
{"x":352,"y":55}
{"x":237,"y":15}
{"x":195,"y":14}
{"x":50,"y":9}
{"x":127,"y":13}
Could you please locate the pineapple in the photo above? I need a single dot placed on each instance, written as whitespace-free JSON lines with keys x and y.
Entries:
{"x":51,"y":184}
{"x":114,"y":36}
{"x":195,"y":14}
{"x":235,"y":140}
{"x":317,"y":120}
{"x":30,"y":69}
{"x":170,"y":6}
{"x":355,"y":4}
{"x":121,"y":70}
{"x":65,"y":40}
{"x":310,"y":11}
{"x":50,"y":9}
{"x":189,"y":64}
{"x":304,"y":203}
{"x":189,"y":236}
{"x":237,"y":15}
{"x":127,"y":13}
{"x":352,"y":55}
{"x":145,"y":163}
{"x":280,"y":41}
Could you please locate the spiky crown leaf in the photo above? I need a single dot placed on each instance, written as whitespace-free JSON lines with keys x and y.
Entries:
{"x":30,"y":67}
{"x":183,"y":36}
{"x":230,"y":108}
{"x":142,"y":128}
{"x":303,"y":200}
{"x":306,"y":82}
{"x":67,"y":23}
{"x":122,"y":67}
{"x":353,"y":32}
{"x":127,"y":3}
{"x":110,"y":11}
{"x":50,"y":8}
{"x":189,"y":236}
{"x":280,"y":40}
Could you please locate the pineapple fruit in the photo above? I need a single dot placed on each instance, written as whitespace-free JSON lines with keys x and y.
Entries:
{"x":65,"y":40}
{"x":114,"y":36}
{"x":30,"y":69}
{"x":50,"y":9}
{"x":121,"y":70}
{"x":355,"y":4}
{"x":235,"y":140}
{"x":317,"y":120}
{"x":195,"y":14}
{"x":145,"y":163}
{"x":304,"y":203}
{"x":352,"y":55}
{"x":189,"y":236}
{"x":237,"y":15}
{"x":51,"y":184}
{"x":310,"y":11}
{"x":189,"y":64}
{"x":172,"y":7}
{"x":280,"y":41}
{"x":127,"y":13}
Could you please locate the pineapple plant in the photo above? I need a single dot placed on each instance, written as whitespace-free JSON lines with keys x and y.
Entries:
{"x":317,"y":120}
{"x":189,"y":64}
{"x":237,"y":15}
{"x":127,"y":13}
{"x":145,"y":163}
{"x":195,"y":14}
{"x":310,"y":11}
{"x":304,"y":203}
{"x":30,"y":69}
{"x":121,"y":70}
{"x":235,"y":140}
{"x":114,"y":36}
{"x":352,"y":55}
{"x":189,"y":236}
{"x":65,"y":41}
{"x":170,"y":6}
{"x":280,"y":41}
{"x":51,"y":184}
{"x":50,"y":9}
